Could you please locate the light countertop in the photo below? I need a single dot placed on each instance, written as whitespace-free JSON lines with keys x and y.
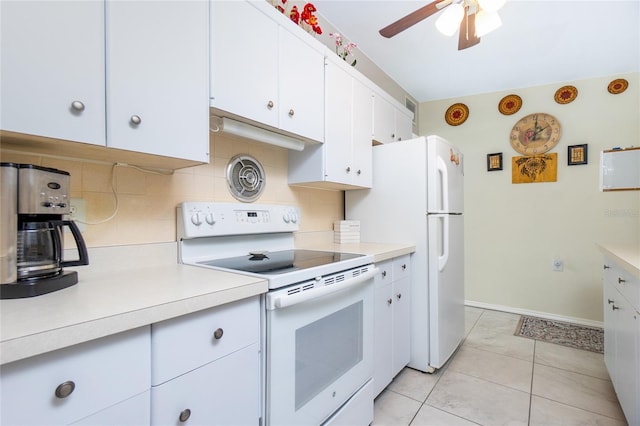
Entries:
{"x":627,"y":255}
{"x":126,"y":287}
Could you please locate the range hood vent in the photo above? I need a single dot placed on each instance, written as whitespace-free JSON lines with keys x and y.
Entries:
{"x":237,"y":128}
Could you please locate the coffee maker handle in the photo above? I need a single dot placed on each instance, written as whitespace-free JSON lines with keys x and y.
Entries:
{"x":80,"y":244}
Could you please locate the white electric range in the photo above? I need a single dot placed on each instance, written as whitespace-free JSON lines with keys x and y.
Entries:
{"x":317,"y":316}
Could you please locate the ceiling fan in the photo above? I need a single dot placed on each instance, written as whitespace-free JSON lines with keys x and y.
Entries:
{"x":474,"y":17}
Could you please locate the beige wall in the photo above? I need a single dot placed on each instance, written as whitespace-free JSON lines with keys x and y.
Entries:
{"x":147,"y":202}
{"x":514,"y":231}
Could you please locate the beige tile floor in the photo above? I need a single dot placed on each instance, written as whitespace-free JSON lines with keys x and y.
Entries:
{"x":496,"y":378}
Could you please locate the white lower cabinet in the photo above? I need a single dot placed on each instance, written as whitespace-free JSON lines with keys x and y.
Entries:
{"x":391,"y":321}
{"x":622,"y":337}
{"x":72,"y":384}
{"x":222,"y":392}
{"x":132,"y":412}
{"x":206,"y":367}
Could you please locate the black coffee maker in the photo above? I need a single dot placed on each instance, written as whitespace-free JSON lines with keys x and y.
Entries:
{"x":42,"y":198}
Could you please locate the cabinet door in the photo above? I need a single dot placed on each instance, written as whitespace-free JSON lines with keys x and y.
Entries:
{"x":301,"y":87}
{"x":610,"y":328}
{"x":134,"y":411}
{"x":157,"y":77}
{"x":362,"y":122}
{"x":224,"y":392}
{"x":383,"y":327}
{"x":401,"y":324}
{"x":403,"y":126}
{"x":244,"y":75}
{"x":628,"y":358}
{"x":52,"y":60}
{"x":337,"y":145}
{"x":383,"y":120}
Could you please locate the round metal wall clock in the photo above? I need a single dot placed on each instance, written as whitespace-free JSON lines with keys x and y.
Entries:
{"x":535,"y":134}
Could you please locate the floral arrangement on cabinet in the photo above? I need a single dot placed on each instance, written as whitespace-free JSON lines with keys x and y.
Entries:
{"x":305,"y":18}
{"x":344,"y":50}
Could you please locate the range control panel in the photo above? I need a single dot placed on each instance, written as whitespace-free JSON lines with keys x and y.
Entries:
{"x":201,"y":219}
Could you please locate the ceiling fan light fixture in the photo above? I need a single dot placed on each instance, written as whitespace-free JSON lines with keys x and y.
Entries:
{"x":491,"y":5}
{"x":487,"y":22}
{"x":449,"y":21}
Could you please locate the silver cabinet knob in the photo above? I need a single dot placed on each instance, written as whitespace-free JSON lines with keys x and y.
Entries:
{"x":384,"y":274}
{"x":135,"y":119}
{"x":399,"y":296}
{"x":184,"y":415}
{"x":218,"y":334}
{"x":359,"y":172}
{"x":389,"y":301}
{"x":348,"y":169}
{"x":404,"y":266}
{"x":607,"y":267}
{"x":270,"y":104}
{"x":609,"y":301}
{"x":65,"y":389}
{"x":291,"y":112}
{"x":621,"y":280}
{"x":614,"y":307}
{"x":77,"y":106}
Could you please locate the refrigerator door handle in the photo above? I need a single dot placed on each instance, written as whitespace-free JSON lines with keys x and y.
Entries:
{"x":444,"y":184}
{"x":444,"y":257}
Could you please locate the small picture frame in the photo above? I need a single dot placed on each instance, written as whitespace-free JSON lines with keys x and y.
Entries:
{"x":494,"y":162}
{"x":577,"y":154}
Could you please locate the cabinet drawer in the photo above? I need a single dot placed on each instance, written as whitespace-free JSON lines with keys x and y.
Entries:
{"x":627,"y":284}
{"x":104,"y":372}
{"x":401,"y":267}
{"x":182,"y":344}
{"x":386,"y":273}
{"x":223,"y":392}
{"x":134,"y":411}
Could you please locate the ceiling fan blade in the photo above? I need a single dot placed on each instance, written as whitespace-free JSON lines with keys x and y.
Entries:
{"x":467,"y":36}
{"x":413,"y":18}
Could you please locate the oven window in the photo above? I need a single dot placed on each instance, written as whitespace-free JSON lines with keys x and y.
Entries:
{"x":326,"y":349}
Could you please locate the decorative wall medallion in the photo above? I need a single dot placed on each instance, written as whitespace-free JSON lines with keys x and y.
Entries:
{"x":618,"y":86}
{"x":456,"y":114}
{"x":538,"y":168}
{"x":510,"y":104}
{"x":566,"y":94}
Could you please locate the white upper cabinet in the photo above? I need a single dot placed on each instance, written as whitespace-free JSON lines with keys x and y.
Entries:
{"x":263,"y":72}
{"x":392,"y":123}
{"x":157,"y":77}
{"x":52,"y":67}
{"x":344,"y":161}
{"x":130,"y":75}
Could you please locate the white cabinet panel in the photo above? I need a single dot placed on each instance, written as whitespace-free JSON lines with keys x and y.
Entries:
{"x":157,"y":77}
{"x":132,"y":412}
{"x":52,"y":56}
{"x":391,"y":123}
{"x":224,"y":392}
{"x":92,"y":375}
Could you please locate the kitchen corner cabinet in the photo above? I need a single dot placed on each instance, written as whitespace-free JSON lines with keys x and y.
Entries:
{"x":206,"y":366}
{"x":622,"y":336}
{"x":263,"y":71}
{"x":392,"y":324}
{"x":391,"y":123}
{"x":126,"y":75}
{"x":104,"y":381}
{"x":344,"y":161}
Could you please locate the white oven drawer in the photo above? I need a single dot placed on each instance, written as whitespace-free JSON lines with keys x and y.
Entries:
{"x":182,"y":344}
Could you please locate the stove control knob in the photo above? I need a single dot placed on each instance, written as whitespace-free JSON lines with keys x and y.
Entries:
{"x":209,"y":218}
{"x":196,"y":219}
{"x":286,"y":218}
{"x":294,"y":217}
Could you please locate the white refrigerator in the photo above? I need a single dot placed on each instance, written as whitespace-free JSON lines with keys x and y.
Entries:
{"x":417,"y":198}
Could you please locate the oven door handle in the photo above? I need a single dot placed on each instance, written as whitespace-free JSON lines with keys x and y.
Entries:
{"x":285,"y":301}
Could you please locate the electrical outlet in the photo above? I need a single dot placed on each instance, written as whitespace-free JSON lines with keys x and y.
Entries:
{"x":78,"y":213}
{"x":557,"y":265}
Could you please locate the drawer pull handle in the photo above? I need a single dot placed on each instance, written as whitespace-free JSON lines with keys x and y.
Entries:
{"x":65,"y":389}
{"x":621,"y":281}
{"x":218,"y":334}
{"x":77,"y":106}
{"x":607,"y":267}
{"x":184,"y":415}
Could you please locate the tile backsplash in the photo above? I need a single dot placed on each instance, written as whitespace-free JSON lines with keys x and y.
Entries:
{"x":127,"y":205}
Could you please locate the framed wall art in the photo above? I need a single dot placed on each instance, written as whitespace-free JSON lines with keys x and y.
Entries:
{"x":494,"y":162}
{"x":577,"y":154}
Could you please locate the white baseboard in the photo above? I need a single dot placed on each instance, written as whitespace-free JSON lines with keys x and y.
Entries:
{"x":545,"y":315}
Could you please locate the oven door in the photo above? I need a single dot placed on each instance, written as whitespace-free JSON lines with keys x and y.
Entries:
{"x":319,"y":349}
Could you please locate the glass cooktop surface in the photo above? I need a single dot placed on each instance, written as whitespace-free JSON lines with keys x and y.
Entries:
{"x":279,"y":262}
